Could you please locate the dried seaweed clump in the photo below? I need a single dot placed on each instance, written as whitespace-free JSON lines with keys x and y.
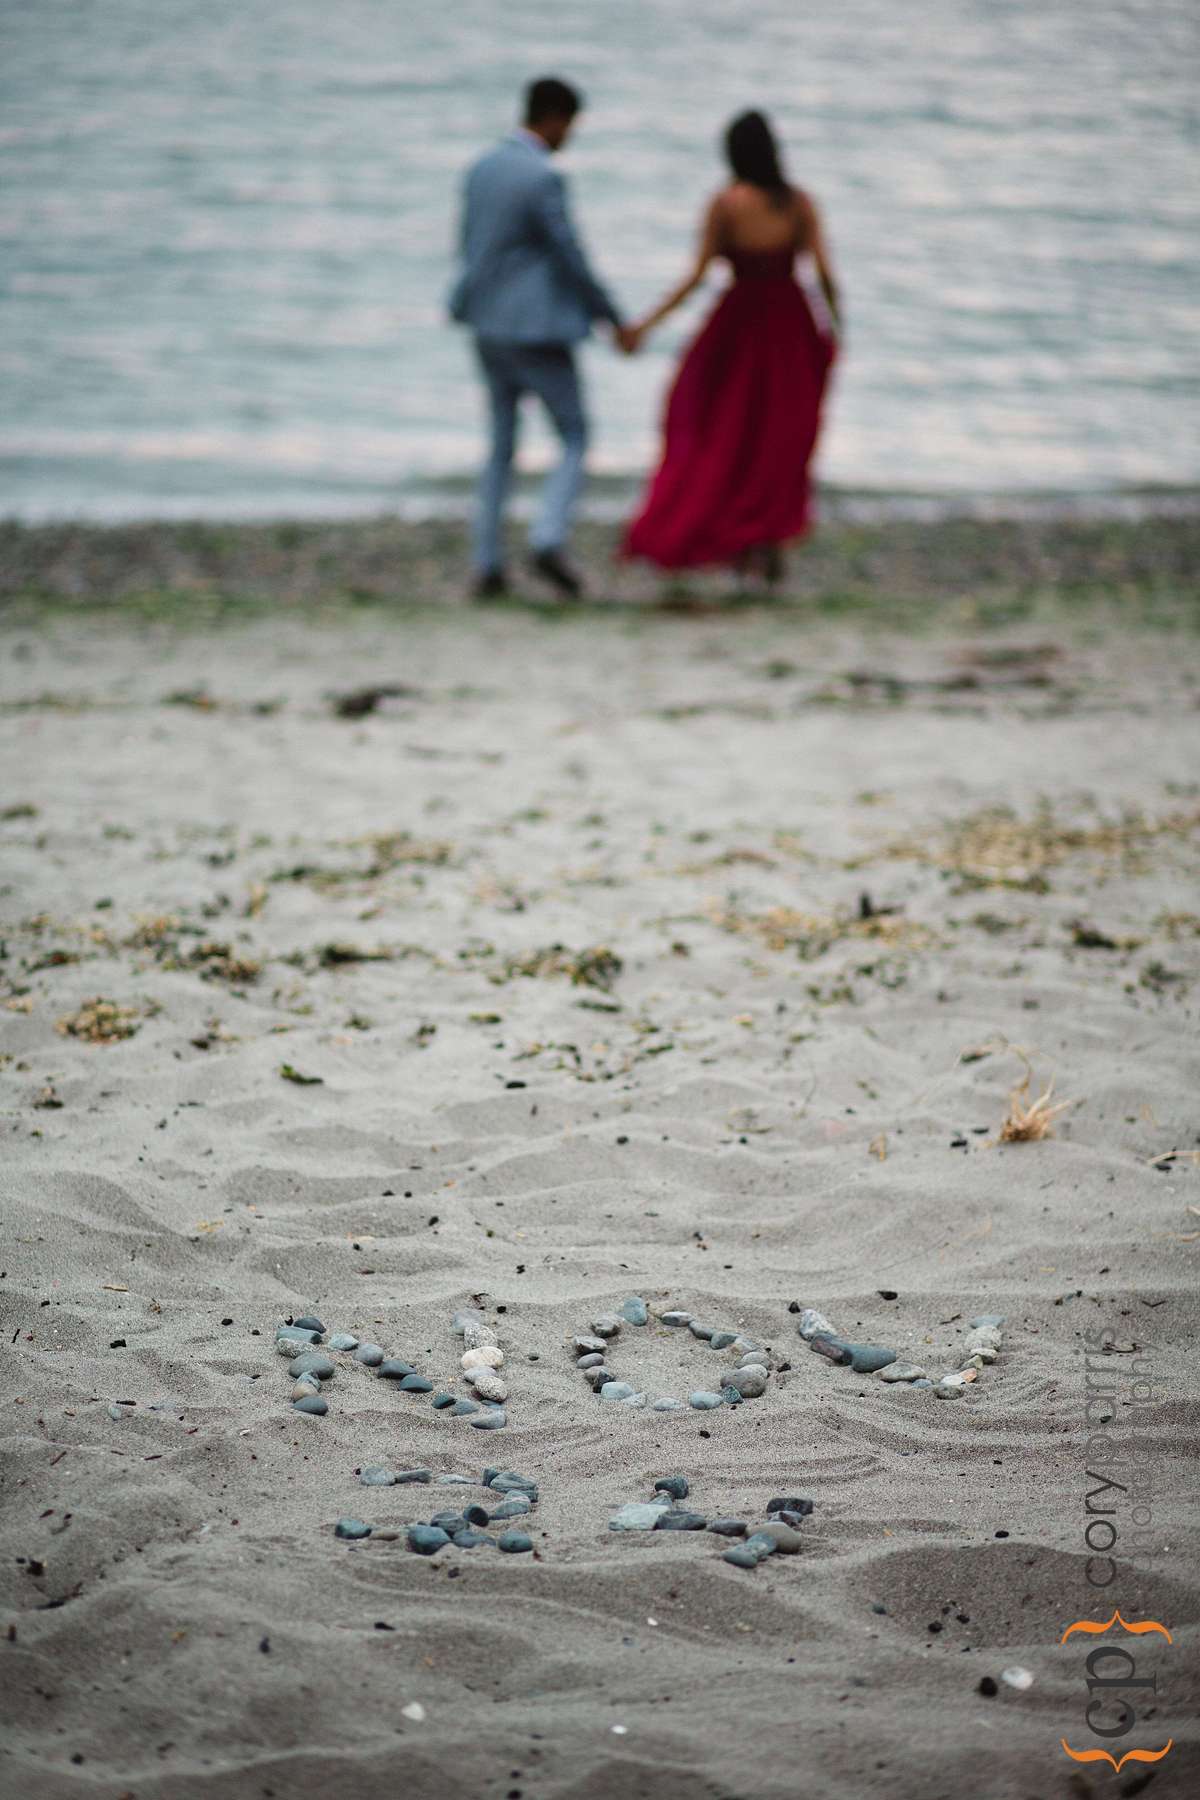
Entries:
{"x":1028,"y":1121}
{"x":220,"y":962}
{"x":597,"y":967}
{"x":100,"y":1021}
{"x":996,"y":848}
{"x":811,"y":934}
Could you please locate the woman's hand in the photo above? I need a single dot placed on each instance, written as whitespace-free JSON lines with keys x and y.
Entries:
{"x":629,"y":338}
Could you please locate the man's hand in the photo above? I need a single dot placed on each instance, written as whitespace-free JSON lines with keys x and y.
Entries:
{"x":628,"y":339}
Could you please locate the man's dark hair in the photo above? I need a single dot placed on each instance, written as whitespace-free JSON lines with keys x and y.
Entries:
{"x":549,"y":98}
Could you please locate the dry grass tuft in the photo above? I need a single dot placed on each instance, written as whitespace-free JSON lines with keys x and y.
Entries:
{"x":100,"y":1021}
{"x":812,"y":934}
{"x":996,"y":848}
{"x":1028,"y":1121}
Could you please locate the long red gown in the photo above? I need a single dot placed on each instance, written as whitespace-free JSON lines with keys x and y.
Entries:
{"x":742,"y":420}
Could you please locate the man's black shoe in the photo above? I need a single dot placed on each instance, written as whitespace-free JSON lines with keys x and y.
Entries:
{"x":551,"y":567}
{"x":492,"y":585}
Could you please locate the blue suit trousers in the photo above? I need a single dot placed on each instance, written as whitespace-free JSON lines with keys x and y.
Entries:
{"x":510,"y":371}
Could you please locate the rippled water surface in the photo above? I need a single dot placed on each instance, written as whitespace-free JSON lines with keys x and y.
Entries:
{"x":225,"y":234}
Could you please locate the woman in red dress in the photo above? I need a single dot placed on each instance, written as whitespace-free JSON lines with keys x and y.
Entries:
{"x":743,"y":414}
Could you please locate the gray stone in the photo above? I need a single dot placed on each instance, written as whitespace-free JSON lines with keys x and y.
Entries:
{"x":635,"y":1311}
{"x":986,"y":1320}
{"x":586,"y":1344}
{"x":703,"y":1401}
{"x":731,"y":1396}
{"x":416,"y":1384}
{"x":638,"y":1515}
{"x":311,"y":1362}
{"x":634,"y":1400}
{"x":785,"y":1540}
{"x":675,"y":1318}
{"x":460,"y":1321}
{"x":665,"y":1403}
{"x":442,"y":1400}
{"x":375,"y":1476}
{"x":949,"y":1389}
{"x":370,"y":1355}
{"x":741,"y":1558}
{"x":508,"y":1481}
{"x":394,"y":1368}
{"x":616,"y":1390}
{"x":487,"y":1384}
{"x":924,"y":1382}
{"x":814,"y":1324}
{"x":761,"y":1543}
{"x":902,"y":1371}
{"x":426,"y":1540}
{"x":749,"y":1383}
{"x":515,"y":1507}
{"x":742,"y":1342}
{"x":699,"y":1330}
{"x":450,"y":1522}
{"x":290,"y":1338}
{"x":836,"y":1351}
{"x":476,"y":1336}
{"x":490,"y":1418}
{"x":592,"y":1359}
{"x":351,"y":1528}
{"x":311,"y":1403}
{"x":757,"y":1359}
{"x":606,"y":1325}
{"x":728,"y":1527}
{"x":309,"y":1322}
{"x":795,"y":1503}
{"x":721,"y":1340}
{"x":866,"y":1359}
{"x":675,"y":1485}
{"x":343,"y":1340}
{"x":471,"y":1540}
{"x":307,"y":1384}
{"x":598,"y":1377}
{"x":420,"y":1476}
{"x":514,"y":1542}
{"x":454,"y":1480}
{"x":462,"y":1407}
{"x":679,"y":1519}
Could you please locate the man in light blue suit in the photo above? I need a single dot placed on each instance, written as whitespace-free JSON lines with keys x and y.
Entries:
{"x":527,"y":292}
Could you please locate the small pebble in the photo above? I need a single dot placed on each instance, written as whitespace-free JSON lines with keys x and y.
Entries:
{"x":375,"y":1476}
{"x":666,"y":1404}
{"x":426,"y":1540}
{"x":986,"y":1321}
{"x":307,"y":1384}
{"x":470,"y":1540}
{"x":675,"y":1485}
{"x":949,"y":1389}
{"x":393,"y":1368}
{"x":592,"y":1359}
{"x":785,"y":1540}
{"x":312,"y":1403}
{"x":474,"y":1336}
{"x":369,"y":1355}
{"x":721,"y":1340}
{"x":635,"y":1311}
{"x":490,"y":1418}
{"x":790,"y":1503}
{"x":404,"y":1476}
{"x":309,"y":1323}
{"x":507,"y":1481}
{"x":787,"y":1517}
{"x":749,"y":1383}
{"x":732,"y":1396}
{"x":606,"y":1325}
{"x":343,"y":1340}
{"x":814,"y":1324}
{"x":637,"y":1515}
{"x":416,"y":1384}
{"x":597,"y":1377}
{"x":450,"y":1522}
{"x":461,"y":1407}
{"x":515,"y":1507}
{"x":514,"y":1542}
{"x":414,"y":1711}
{"x":487,"y":1356}
{"x":1017,"y":1677}
{"x":675,"y":1318}
{"x":703,"y":1401}
{"x":632,"y":1400}
{"x":761,"y":1543}
{"x":679,"y":1519}
{"x":757,"y":1359}
{"x":311,"y":1362}
{"x":119,"y":1412}
{"x":699,"y":1330}
{"x":488,"y":1384}
{"x":827,"y":1346}
{"x":616,"y":1390}
{"x":728,"y":1527}
{"x":902,"y":1371}
{"x":741,"y":1557}
{"x":586,"y":1343}
{"x":461,"y":1320}
{"x":865,"y":1359}
{"x":441,"y":1400}
{"x":748,"y":1344}
{"x":351,"y":1528}
{"x":288,"y":1340}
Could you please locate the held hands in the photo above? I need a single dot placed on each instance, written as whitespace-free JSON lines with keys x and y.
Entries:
{"x":628,"y":339}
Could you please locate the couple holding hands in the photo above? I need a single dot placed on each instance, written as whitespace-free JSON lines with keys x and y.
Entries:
{"x":744,"y":410}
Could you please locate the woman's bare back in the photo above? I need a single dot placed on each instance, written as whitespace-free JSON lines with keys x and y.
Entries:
{"x":751,"y":220}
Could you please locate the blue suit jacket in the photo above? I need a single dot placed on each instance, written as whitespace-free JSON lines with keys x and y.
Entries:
{"x":524,"y":276}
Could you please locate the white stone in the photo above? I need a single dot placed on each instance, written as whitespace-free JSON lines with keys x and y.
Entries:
{"x":477,"y":1334}
{"x":486,"y":1356}
{"x":487,"y":1384}
{"x":814,"y":1324}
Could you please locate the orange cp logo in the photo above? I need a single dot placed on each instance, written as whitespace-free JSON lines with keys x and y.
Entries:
{"x":1108,"y":1691}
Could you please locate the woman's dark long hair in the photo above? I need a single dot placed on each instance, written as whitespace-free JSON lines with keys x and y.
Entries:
{"x":754,"y":156}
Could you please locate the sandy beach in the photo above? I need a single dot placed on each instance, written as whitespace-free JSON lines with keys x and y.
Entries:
{"x":690,"y":953}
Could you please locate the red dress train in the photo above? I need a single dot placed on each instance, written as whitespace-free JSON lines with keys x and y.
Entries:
{"x":741,"y":425}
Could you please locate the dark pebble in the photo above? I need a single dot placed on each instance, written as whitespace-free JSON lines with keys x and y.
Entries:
{"x":825,"y":1346}
{"x":515,"y":1507}
{"x":728,"y":1527}
{"x":463,"y":1406}
{"x":477,"y":1515}
{"x":675,"y":1485}
{"x":308,"y":1323}
{"x":988,"y":1687}
{"x":369,"y":1355}
{"x":679,"y":1520}
{"x":450,"y":1522}
{"x":721,"y":1340}
{"x":392,"y":1369}
{"x":507,"y":1481}
{"x":740,"y":1557}
{"x":441,"y":1400}
{"x":351,"y":1528}
{"x":514,"y":1542}
{"x":865,"y":1359}
{"x":470,"y":1540}
{"x":414,"y":1475}
{"x":312,"y":1403}
{"x":787,"y":1515}
{"x":415,"y":1384}
{"x":699,"y":1330}
{"x":732,"y":1396}
{"x":426,"y":1540}
{"x":761,"y":1544}
{"x":790,"y":1503}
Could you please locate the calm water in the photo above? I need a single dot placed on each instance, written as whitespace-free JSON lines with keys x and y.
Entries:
{"x":225,"y":235}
